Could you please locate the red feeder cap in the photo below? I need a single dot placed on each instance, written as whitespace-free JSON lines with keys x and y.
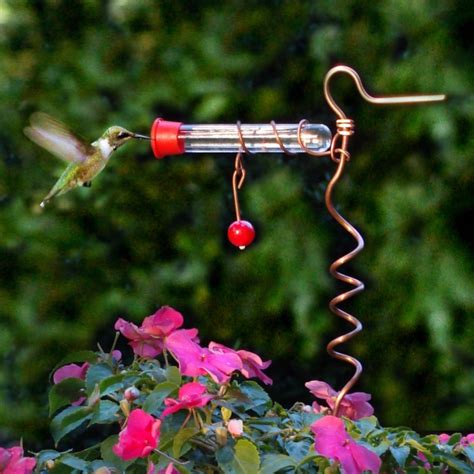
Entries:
{"x":164,"y":138}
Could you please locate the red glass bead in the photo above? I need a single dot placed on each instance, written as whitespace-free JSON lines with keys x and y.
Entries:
{"x":241,"y":234}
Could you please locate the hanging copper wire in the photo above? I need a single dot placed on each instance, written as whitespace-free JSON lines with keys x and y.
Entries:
{"x":238,"y":179}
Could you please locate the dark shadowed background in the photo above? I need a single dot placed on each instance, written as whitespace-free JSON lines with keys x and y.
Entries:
{"x":150,"y":233}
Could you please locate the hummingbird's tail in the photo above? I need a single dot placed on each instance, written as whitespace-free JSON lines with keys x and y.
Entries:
{"x":55,"y":191}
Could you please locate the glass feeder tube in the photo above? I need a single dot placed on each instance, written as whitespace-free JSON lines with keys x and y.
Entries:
{"x":171,"y":138}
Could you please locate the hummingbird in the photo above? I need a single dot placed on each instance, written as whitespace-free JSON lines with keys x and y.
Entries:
{"x":86,"y":161}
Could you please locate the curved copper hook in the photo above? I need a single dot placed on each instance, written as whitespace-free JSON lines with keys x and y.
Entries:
{"x":409,"y":99}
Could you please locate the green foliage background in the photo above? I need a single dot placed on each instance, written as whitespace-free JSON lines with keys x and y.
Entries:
{"x":150,"y":233}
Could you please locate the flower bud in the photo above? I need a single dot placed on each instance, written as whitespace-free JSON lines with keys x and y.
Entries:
{"x":49,"y":464}
{"x":131,"y":393}
{"x":235,"y":428}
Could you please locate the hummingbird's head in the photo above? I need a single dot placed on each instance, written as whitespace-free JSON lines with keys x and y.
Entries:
{"x":117,"y":136}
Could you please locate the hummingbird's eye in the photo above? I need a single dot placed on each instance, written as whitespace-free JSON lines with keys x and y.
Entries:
{"x":123,"y":135}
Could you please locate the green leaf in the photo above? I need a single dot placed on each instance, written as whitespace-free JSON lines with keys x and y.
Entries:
{"x":455,"y":463}
{"x":454,"y":439}
{"x":366,"y":425}
{"x":64,"y":393}
{"x":68,"y":420}
{"x":96,"y":374}
{"x":180,"y":440}
{"x":75,"y":462}
{"x":154,"y":402}
{"x":298,"y":450}
{"x":47,"y":455}
{"x":310,"y":458}
{"x":274,"y":462}
{"x":415,"y":444}
{"x":111,"y":384}
{"x":247,"y":459}
{"x":469,"y":452}
{"x":173,"y":375}
{"x":225,"y":458}
{"x":400,"y":454}
{"x":95,"y":465}
{"x":256,"y":398}
{"x":104,"y":412}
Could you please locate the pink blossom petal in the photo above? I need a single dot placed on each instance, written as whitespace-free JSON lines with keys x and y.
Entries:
{"x":320,"y":389}
{"x":128,"y":330}
{"x":5,"y":457}
{"x":317,"y":408}
{"x":117,"y":355}
{"x":332,"y":441}
{"x":170,"y":469}
{"x":143,"y":344}
{"x":365,"y":459}
{"x":191,"y":390}
{"x":444,"y":438}
{"x":139,"y":437}
{"x":147,"y":348}
{"x":191,"y":395}
{"x":70,"y":371}
{"x":467,"y":440}
{"x":354,"y":405}
{"x":195,"y":360}
{"x":12,"y":461}
{"x":163,"y":322}
{"x":252,"y":364}
{"x":330,"y":435}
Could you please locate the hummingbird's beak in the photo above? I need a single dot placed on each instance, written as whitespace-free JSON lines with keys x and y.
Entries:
{"x":140,"y":137}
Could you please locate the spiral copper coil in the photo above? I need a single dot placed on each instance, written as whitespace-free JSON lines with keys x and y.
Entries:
{"x":339,"y":154}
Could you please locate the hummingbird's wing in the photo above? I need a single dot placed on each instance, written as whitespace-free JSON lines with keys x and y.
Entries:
{"x":55,"y":137}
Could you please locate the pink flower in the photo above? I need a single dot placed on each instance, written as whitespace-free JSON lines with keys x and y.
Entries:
{"x":424,"y":459}
{"x":72,"y":371}
{"x":235,"y":428}
{"x":353,"y":406}
{"x":195,"y":360}
{"x":140,"y":436}
{"x":443,"y":438}
{"x":467,"y":440}
{"x":13,"y":462}
{"x":148,"y":339}
{"x":116,"y":355}
{"x":131,"y":393}
{"x":252,"y":364}
{"x":168,"y":470}
{"x":332,"y":441}
{"x":191,"y":395}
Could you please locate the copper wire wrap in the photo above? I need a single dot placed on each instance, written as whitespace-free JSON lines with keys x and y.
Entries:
{"x":340,"y":155}
{"x":238,"y":176}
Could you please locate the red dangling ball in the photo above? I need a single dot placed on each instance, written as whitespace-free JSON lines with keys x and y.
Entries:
{"x":241,"y":234}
